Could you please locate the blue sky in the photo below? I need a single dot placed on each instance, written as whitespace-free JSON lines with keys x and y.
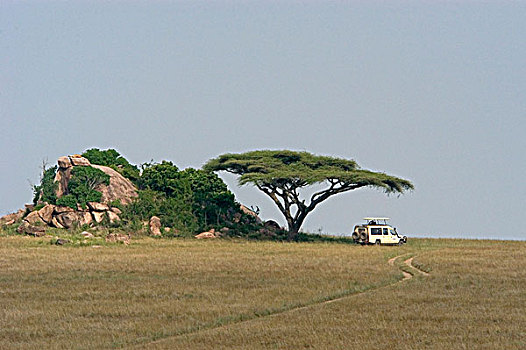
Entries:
{"x":430,"y":91}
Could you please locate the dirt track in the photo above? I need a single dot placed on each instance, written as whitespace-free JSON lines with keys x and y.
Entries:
{"x":408,"y":263}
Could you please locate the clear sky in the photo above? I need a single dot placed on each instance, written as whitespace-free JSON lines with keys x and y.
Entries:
{"x":431,"y":91}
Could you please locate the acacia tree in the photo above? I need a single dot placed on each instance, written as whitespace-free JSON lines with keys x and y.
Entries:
{"x":282,"y":174}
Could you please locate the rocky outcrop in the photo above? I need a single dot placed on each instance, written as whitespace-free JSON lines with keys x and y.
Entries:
{"x":120,"y":188}
{"x":36,"y":222}
{"x":32,"y":225}
{"x":10,"y":219}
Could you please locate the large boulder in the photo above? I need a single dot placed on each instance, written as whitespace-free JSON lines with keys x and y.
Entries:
{"x":62,"y":178}
{"x":61,"y":209}
{"x":68,"y":219}
{"x":33,"y":225}
{"x":120,"y":188}
{"x":32,"y":230}
{"x":84,"y":218}
{"x":95,"y":206}
{"x":34,"y":219}
{"x":64,"y":162}
{"x":78,"y":160}
{"x":272,"y":225}
{"x":46,"y":213}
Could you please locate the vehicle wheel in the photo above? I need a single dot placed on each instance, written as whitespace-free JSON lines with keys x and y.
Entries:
{"x":355,"y":235}
{"x":400,"y":242}
{"x":377,"y":242}
{"x":363,"y":236}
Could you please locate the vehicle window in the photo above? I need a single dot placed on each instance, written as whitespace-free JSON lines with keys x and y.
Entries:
{"x":376,"y":231}
{"x":393,"y":232}
{"x":386,"y":231}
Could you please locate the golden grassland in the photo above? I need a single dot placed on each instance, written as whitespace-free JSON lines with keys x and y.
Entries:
{"x":235,"y":294}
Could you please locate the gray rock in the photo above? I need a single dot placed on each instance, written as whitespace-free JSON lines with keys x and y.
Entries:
{"x":64,"y":162}
{"x":32,"y":230}
{"x":68,"y":219}
{"x":87,"y":234}
{"x":98,"y":216}
{"x":77,"y":160}
{"x":155,"y":226}
{"x":61,"y":241}
{"x":96,"y":206}
{"x":46,"y":213}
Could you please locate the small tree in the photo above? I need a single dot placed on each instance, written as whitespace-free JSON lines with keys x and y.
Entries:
{"x":282,"y":174}
{"x":82,"y":186}
{"x":202,"y":193}
{"x":45,"y":192}
{"x":211,"y":198}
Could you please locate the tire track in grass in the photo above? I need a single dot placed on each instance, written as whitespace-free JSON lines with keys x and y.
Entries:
{"x":408,"y":263}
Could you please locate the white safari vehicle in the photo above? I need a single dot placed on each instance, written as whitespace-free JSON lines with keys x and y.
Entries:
{"x":377,"y":231}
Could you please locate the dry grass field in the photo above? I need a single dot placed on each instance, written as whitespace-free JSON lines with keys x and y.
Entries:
{"x":189,"y":294}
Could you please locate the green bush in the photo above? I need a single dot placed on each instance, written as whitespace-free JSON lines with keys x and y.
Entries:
{"x":45,"y":192}
{"x":173,"y":212}
{"x":68,"y":200}
{"x":111,"y":158}
{"x":213,"y":203}
{"x":164,"y":177}
{"x":201,"y":192}
{"x":84,"y":180}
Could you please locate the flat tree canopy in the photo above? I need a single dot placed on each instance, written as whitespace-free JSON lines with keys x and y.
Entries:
{"x":281,"y":174}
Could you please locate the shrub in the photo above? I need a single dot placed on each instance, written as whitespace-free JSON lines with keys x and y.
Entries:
{"x":81,"y":186}
{"x":164,"y":177}
{"x":173,"y":212}
{"x":213,"y":203}
{"x":114,"y":160}
{"x":68,"y":200}
{"x":45,"y":192}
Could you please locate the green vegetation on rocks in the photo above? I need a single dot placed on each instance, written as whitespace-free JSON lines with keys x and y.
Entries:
{"x":81,"y":186}
{"x":113,"y":159}
{"x":45,"y":191}
{"x":193,"y":200}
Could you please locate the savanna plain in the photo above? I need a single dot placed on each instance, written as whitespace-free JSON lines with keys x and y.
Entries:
{"x":238,"y":294}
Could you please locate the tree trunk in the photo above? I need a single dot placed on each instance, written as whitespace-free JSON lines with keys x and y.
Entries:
{"x":294,"y":225}
{"x":294,"y":228}
{"x":293,"y":233}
